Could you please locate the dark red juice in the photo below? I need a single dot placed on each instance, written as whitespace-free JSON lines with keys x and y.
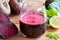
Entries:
{"x":32,"y":24}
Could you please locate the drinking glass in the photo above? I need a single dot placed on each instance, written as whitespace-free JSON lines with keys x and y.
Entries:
{"x":32,"y":21}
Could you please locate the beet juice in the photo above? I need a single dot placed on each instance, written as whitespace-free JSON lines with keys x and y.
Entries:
{"x":32,"y":24}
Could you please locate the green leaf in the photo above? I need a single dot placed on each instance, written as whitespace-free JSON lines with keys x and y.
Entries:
{"x":56,"y":37}
{"x":50,"y":13}
{"x":52,"y":36}
{"x":1,"y":38}
{"x":49,"y":35}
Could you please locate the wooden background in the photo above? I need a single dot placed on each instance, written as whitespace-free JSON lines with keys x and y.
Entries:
{"x":15,"y":20}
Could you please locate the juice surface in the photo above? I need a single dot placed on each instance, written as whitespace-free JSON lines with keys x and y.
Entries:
{"x":32,"y":18}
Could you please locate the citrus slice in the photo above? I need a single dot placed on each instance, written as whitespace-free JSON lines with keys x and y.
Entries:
{"x":55,"y":22}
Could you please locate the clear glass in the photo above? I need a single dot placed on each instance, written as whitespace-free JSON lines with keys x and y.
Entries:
{"x":32,"y":19}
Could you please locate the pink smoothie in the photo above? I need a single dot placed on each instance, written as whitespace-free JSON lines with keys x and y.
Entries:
{"x":32,"y":24}
{"x":32,"y":18}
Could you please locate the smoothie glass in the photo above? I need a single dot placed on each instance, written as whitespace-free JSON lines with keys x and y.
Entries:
{"x":32,"y":22}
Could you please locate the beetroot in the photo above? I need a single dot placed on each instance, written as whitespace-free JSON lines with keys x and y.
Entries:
{"x":4,"y":18}
{"x":15,"y":6}
{"x":8,"y":30}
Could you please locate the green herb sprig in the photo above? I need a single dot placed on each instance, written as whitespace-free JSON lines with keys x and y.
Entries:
{"x":52,"y":36}
{"x":50,"y":13}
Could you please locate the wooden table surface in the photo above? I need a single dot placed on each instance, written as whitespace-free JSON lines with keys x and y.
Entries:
{"x":19,"y":36}
{"x":15,"y":20}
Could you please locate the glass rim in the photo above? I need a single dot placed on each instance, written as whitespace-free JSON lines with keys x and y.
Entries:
{"x":45,"y":19}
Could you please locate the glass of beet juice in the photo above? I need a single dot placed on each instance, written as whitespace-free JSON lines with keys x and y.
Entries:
{"x":32,"y":24}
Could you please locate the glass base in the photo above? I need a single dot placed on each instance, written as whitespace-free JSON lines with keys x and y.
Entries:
{"x":24,"y":35}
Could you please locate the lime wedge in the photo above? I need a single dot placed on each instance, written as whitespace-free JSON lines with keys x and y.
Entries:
{"x":55,"y":22}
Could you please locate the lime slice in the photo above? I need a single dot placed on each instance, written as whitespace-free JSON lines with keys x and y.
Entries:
{"x":55,"y":22}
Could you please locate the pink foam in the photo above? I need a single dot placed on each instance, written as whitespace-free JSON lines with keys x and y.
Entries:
{"x":32,"y":18}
